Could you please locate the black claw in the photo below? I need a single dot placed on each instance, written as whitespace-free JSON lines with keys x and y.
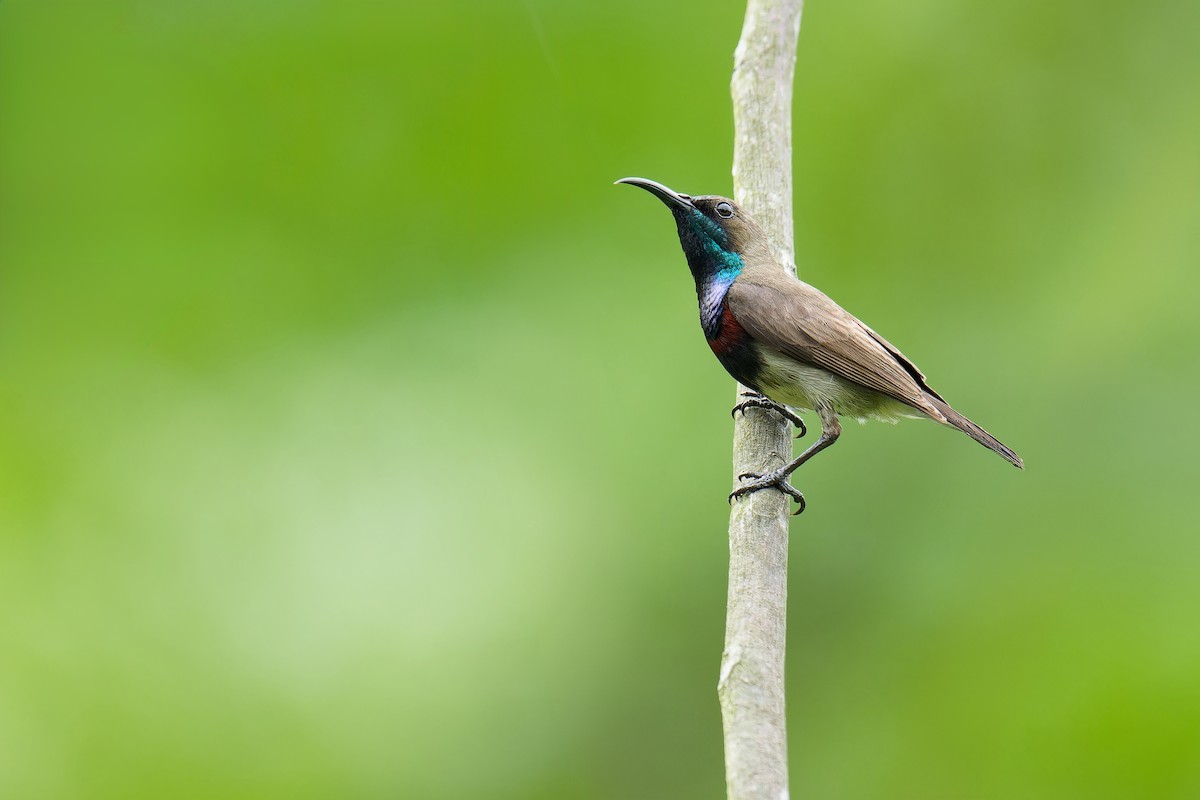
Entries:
{"x":756,"y":400}
{"x":776,"y":481}
{"x":794,"y":493}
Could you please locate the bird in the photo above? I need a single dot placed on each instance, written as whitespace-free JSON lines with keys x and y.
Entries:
{"x":792,"y":345}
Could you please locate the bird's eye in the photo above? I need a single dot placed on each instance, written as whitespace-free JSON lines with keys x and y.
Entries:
{"x":724,"y":210}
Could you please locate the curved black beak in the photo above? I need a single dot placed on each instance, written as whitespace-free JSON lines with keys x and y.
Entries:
{"x":672,"y":198}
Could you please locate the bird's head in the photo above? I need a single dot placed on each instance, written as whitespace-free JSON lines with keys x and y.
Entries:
{"x":716,"y":235}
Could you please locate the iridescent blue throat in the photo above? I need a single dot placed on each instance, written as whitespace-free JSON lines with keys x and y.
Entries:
{"x":713,"y":239}
{"x":718,"y":270}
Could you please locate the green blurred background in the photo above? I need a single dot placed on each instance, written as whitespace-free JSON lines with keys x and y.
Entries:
{"x":358,"y":439}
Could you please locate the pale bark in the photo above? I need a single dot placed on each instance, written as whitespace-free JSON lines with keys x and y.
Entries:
{"x":751,"y":685}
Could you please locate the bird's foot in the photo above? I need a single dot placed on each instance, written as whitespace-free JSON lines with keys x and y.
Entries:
{"x":757,"y":400}
{"x":777,"y":479}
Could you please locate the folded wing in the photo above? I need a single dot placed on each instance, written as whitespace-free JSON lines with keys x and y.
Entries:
{"x":799,"y":321}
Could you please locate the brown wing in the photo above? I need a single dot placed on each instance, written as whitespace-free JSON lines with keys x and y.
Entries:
{"x":902,"y":359}
{"x":799,"y":321}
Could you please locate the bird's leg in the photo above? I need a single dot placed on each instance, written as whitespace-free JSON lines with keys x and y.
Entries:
{"x":830,"y":430}
{"x":759,"y":400}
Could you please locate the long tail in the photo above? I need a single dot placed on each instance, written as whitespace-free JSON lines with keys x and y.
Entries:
{"x":975,"y":432}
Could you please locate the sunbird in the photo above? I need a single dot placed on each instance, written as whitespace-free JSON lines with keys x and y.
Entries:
{"x":791,"y":344}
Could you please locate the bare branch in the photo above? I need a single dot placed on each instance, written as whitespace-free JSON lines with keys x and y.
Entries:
{"x":751,"y":685}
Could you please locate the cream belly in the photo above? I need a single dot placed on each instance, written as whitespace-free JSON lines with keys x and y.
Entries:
{"x":787,"y":381}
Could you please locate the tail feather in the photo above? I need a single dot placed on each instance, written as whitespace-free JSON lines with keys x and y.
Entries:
{"x":977,"y":433}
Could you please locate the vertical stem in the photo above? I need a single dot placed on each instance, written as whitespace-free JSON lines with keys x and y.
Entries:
{"x":751,"y":686}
